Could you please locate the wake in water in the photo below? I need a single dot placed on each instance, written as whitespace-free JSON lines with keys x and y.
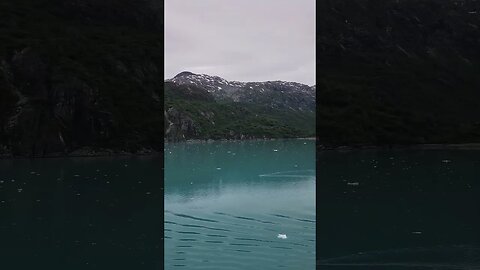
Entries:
{"x":289,"y":174}
{"x":454,"y":257}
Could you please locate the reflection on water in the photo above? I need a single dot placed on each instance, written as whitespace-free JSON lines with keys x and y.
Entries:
{"x":227,"y":203}
{"x":415,"y":209}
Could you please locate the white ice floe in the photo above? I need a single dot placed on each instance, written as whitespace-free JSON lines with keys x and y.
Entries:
{"x":282,"y":236}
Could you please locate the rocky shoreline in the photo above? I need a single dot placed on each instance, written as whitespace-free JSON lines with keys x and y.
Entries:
{"x":82,"y":152}
{"x":235,"y":140}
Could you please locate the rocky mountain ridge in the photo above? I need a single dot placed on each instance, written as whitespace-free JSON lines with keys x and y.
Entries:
{"x":274,"y":94}
{"x":199,"y":106}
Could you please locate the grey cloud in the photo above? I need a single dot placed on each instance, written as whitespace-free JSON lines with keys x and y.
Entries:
{"x":249,"y":40}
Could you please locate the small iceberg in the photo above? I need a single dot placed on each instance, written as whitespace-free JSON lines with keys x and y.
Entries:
{"x":282,"y":236}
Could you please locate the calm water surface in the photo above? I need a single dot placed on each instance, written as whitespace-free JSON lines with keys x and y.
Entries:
{"x":81,"y":213}
{"x":227,"y":202}
{"x":403,"y":209}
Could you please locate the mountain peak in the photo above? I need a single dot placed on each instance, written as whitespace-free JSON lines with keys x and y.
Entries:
{"x":274,"y":94}
{"x":184,"y":73}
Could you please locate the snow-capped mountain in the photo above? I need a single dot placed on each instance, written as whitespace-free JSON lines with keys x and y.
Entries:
{"x":275,"y":94}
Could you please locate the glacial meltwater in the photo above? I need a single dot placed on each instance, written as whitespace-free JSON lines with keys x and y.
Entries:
{"x":240,"y":205}
{"x":81,"y":213}
{"x":398,"y":209}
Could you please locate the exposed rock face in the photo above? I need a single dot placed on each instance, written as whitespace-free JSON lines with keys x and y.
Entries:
{"x":209,"y":107}
{"x":80,"y":74}
{"x":178,"y":126}
{"x":54,"y":112}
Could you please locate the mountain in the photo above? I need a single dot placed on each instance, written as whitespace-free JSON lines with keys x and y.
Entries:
{"x":274,"y":94}
{"x":200,"y":106}
{"x":84,"y":77}
{"x":398,"y":71}
{"x":78,"y":75}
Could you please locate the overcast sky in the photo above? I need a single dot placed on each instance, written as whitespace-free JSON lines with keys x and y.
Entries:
{"x":241,"y":40}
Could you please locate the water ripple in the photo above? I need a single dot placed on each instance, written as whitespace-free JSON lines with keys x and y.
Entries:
{"x":195,"y":218}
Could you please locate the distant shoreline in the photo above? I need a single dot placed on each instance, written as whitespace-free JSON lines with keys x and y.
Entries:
{"x":237,"y":140}
{"x":90,"y":154}
{"x":320,"y":147}
{"x":431,"y":146}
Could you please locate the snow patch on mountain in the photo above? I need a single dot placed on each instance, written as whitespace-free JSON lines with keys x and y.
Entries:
{"x":274,"y":94}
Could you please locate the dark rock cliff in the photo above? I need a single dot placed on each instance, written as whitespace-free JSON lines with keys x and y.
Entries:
{"x":80,"y":74}
{"x":179,"y":126}
{"x":54,"y":112}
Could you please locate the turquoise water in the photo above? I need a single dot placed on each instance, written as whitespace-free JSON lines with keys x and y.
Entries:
{"x":227,"y":202}
{"x":81,"y":213}
{"x":399,"y":209}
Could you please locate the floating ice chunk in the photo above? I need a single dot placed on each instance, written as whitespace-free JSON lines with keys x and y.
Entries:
{"x":282,"y":236}
{"x":275,"y":150}
{"x":19,"y":189}
{"x":218,"y":168}
{"x":446,"y":161}
{"x":418,"y":232}
{"x":353,"y":183}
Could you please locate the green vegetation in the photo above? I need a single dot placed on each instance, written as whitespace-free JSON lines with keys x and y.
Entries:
{"x":94,"y":65}
{"x":217,"y":120}
{"x":398,"y":72}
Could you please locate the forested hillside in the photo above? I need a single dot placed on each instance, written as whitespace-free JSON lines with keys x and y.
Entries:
{"x":398,"y":71}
